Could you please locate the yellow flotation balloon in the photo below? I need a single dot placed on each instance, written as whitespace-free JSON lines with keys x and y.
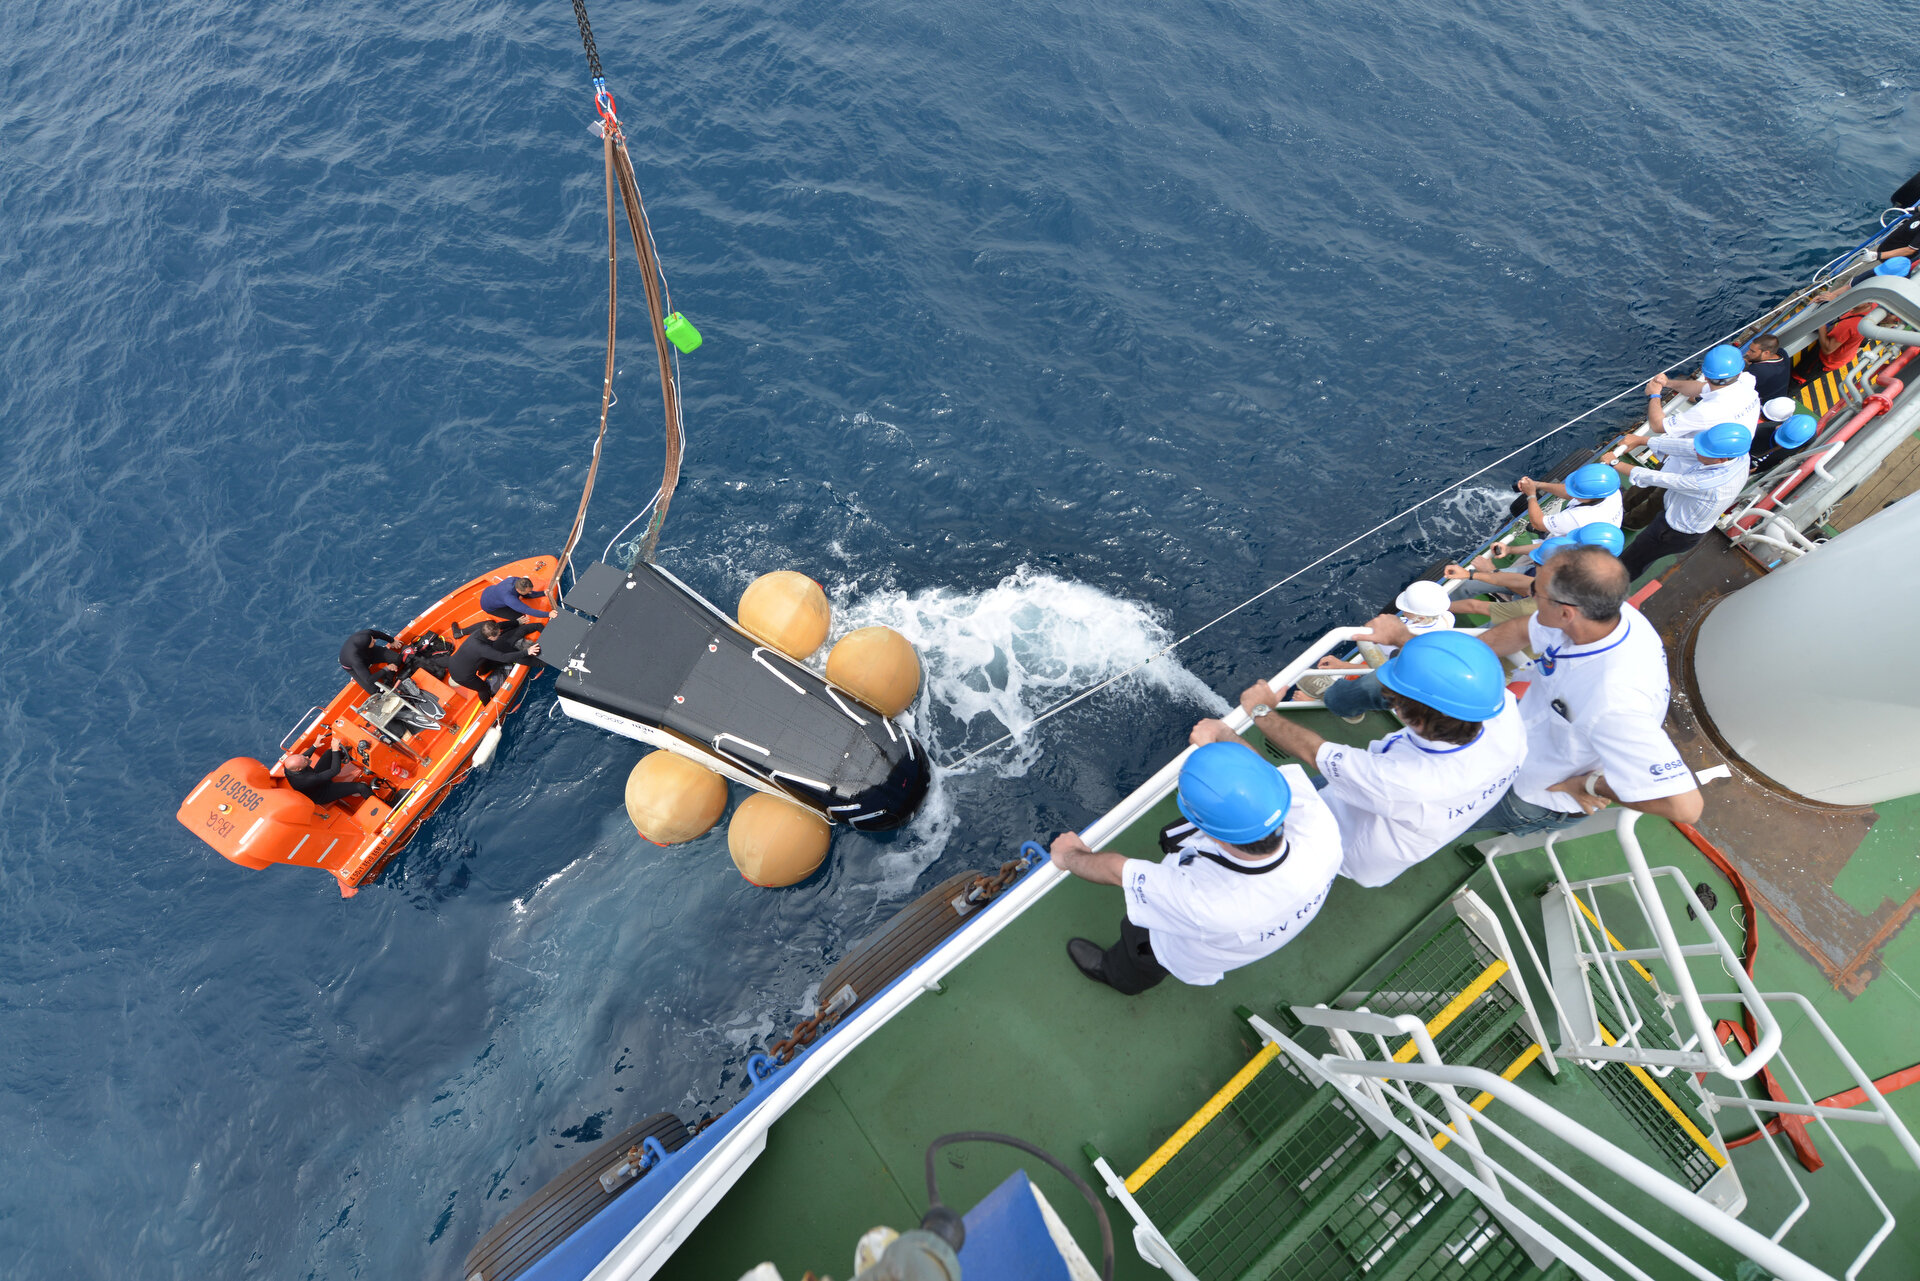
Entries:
{"x":876,"y":665}
{"x":776,"y":842}
{"x":786,"y":610}
{"x":672,"y":799}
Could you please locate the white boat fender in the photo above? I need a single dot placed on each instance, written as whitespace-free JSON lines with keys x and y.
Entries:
{"x":489,"y":743}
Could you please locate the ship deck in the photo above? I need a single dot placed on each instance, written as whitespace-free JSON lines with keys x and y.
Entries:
{"x":1019,"y":1042}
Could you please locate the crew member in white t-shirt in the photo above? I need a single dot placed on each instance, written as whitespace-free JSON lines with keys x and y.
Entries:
{"x":1723,"y":393}
{"x":1241,"y":879}
{"x":1592,"y":493}
{"x":1403,"y":797}
{"x":1596,"y":702}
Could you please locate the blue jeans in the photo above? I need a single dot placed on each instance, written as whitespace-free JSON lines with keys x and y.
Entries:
{"x":1523,"y":818}
{"x":1351,"y":698}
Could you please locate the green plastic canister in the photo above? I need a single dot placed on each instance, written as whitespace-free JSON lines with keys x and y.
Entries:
{"x":681,"y":333}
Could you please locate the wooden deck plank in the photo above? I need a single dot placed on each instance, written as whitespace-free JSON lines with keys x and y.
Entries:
{"x":1897,"y":477}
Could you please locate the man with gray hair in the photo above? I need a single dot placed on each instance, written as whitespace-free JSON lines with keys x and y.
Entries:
{"x":1596,"y":702}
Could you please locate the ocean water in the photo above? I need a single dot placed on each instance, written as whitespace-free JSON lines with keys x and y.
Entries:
{"x":1044,"y":332}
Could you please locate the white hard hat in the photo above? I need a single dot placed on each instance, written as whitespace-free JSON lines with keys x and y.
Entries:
{"x":1424,"y":598}
{"x":1779,"y":409}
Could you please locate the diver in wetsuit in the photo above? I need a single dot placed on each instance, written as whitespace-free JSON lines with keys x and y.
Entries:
{"x":493,"y":644}
{"x":508,"y":600}
{"x":365,"y":649}
{"x":318,"y":782}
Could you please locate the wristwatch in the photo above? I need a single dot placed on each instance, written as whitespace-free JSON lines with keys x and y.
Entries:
{"x":1592,"y":779}
{"x":1258,"y":710}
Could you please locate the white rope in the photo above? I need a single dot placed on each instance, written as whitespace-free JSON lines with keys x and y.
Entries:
{"x":1168,"y":648}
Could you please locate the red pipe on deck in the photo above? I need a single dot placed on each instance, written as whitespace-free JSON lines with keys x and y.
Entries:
{"x":1891,"y":387}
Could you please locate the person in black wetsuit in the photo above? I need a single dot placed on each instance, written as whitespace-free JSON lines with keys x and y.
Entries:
{"x":493,"y":644}
{"x":318,"y":780}
{"x":364,"y":650}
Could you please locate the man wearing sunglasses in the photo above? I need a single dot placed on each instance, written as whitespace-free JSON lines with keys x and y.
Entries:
{"x":1596,"y":702}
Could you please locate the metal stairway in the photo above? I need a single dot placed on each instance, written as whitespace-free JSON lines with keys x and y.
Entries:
{"x":1275,"y":1178}
{"x":1286,"y":1181}
{"x":1666,"y":1109}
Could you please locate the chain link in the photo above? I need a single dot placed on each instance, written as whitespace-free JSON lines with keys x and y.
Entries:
{"x":979,"y":891}
{"x":586,"y":38}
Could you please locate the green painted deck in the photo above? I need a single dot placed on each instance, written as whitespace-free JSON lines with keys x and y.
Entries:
{"x":1020,"y":1042}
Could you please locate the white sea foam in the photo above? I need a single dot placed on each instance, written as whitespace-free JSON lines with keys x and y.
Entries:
{"x":1468,"y":512}
{"x":995,"y":659}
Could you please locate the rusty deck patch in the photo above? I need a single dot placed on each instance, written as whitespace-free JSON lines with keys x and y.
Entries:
{"x":1790,"y":850}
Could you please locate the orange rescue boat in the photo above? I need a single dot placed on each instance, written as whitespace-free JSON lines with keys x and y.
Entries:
{"x":258,"y":820}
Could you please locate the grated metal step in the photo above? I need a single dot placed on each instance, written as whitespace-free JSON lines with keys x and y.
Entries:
{"x":1368,"y":1194}
{"x":1664,"y":1110}
{"x":1275,"y":1180}
{"x":1638,"y":1098}
{"x":1286,"y":1182}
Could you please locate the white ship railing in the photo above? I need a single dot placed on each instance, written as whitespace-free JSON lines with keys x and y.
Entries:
{"x":1585,"y":955}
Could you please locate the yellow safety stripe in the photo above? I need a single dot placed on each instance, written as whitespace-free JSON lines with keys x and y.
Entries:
{"x":1668,"y":1106}
{"x":1480,"y":1102}
{"x":1821,"y":394}
{"x":1611,"y":940}
{"x":1454,"y":1009}
{"x":1227,"y":1093}
{"x":1198,"y":1121}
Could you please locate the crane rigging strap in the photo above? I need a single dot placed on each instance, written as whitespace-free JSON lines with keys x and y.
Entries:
{"x":619,"y":174}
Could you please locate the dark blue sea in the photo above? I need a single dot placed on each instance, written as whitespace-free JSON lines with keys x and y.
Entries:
{"x":1047,"y":332}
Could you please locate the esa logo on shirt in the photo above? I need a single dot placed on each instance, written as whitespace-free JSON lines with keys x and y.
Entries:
{"x":1666,"y":768}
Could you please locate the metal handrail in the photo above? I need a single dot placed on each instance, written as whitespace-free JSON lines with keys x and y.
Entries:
{"x":1460,"y":1117}
{"x":1345,"y":1074}
{"x":1641,"y":877}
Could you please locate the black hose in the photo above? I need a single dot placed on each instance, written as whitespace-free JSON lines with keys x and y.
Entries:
{"x":1007,"y":1140}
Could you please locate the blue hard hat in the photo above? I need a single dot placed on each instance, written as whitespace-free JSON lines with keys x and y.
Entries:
{"x":1728,"y":440}
{"x":1895,"y":267}
{"x":1595,"y":480}
{"x":1797,"y":430}
{"x":1451,"y":672}
{"x":1232,"y":795}
{"x":1600,"y":534}
{"x":1542,"y":551}
{"x":1723,"y":362}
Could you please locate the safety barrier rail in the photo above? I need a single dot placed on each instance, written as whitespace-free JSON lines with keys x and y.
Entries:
{"x":1586,"y":957}
{"x":1508,"y":1173}
{"x":1364,"y":1081}
{"x":1583,"y":952}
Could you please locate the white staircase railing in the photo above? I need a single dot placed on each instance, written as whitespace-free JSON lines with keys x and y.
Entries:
{"x":1581,"y":945}
{"x":1507,"y":1172}
{"x":1586,"y":959}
